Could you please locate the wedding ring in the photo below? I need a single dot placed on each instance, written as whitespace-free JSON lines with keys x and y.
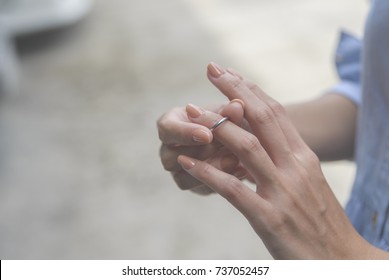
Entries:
{"x":218,"y":123}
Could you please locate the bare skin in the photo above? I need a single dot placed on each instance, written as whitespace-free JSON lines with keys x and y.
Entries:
{"x":326,"y":124}
{"x":293,"y":209}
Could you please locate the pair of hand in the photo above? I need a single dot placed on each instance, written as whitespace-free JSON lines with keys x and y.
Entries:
{"x":293,"y":210}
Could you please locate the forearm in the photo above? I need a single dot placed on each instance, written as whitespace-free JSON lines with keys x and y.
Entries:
{"x":377,"y":254}
{"x":327,"y":124}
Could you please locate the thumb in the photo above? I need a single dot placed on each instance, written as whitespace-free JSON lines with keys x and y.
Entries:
{"x":234,"y":111}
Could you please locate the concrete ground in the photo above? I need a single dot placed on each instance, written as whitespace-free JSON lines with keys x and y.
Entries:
{"x":80,"y":176}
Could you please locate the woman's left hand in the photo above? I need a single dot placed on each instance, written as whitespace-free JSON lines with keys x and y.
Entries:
{"x":293,"y":209}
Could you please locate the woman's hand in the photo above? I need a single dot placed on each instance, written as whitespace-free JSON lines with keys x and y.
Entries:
{"x":181,"y":136}
{"x":293,"y":209}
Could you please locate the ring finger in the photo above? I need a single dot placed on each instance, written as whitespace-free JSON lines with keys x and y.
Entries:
{"x":243,"y":144}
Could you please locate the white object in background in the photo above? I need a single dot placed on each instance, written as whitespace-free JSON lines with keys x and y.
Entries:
{"x":9,"y":72}
{"x":22,"y":17}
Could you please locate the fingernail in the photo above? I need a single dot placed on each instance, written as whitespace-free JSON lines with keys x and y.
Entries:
{"x":238,"y":101}
{"x":215,"y":70}
{"x":194,"y":111}
{"x":186,"y":162}
{"x":202,"y":136}
{"x":228,"y":163}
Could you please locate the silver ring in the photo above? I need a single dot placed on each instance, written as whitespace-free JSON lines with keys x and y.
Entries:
{"x":218,"y":123}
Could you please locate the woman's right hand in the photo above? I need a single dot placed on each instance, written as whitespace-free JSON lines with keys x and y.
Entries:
{"x":292,"y":209}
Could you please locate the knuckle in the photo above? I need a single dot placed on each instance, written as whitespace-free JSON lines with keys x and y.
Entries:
{"x":160,"y":121}
{"x":206,"y":171}
{"x":249,"y":144}
{"x":306,"y":157}
{"x":233,"y":188}
{"x":253,"y":87}
{"x":168,"y":159}
{"x":234,"y":83}
{"x":169,"y":164}
{"x":311,"y":158}
{"x":278,"y":223}
{"x":166,"y":124}
{"x":301,"y":178}
{"x":277,"y":108}
{"x":163,"y":124}
{"x":263,"y":116}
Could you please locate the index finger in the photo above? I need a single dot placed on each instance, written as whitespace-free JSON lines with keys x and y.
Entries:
{"x":260,"y":116}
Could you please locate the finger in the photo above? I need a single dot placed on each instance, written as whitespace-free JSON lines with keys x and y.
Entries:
{"x":174,"y":129}
{"x":235,"y":73}
{"x":240,"y":196}
{"x":260,"y":116}
{"x":293,"y":137}
{"x":234,"y":111}
{"x":235,"y":115}
{"x":169,"y":154}
{"x":227,"y":163}
{"x":242,"y":143}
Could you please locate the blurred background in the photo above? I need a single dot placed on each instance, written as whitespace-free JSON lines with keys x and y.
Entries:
{"x":81,"y":89}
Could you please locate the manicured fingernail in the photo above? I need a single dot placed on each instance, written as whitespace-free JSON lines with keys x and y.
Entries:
{"x":186,"y":162}
{"x":194,"y":111}
{"x":215,"y":70}
{"x":229,"y":163}
{"x":238,"y":101}
{"x":202,"y":136}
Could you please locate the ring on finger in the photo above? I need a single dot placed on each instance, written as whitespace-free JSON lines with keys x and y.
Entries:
{"x":219,"y":122}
